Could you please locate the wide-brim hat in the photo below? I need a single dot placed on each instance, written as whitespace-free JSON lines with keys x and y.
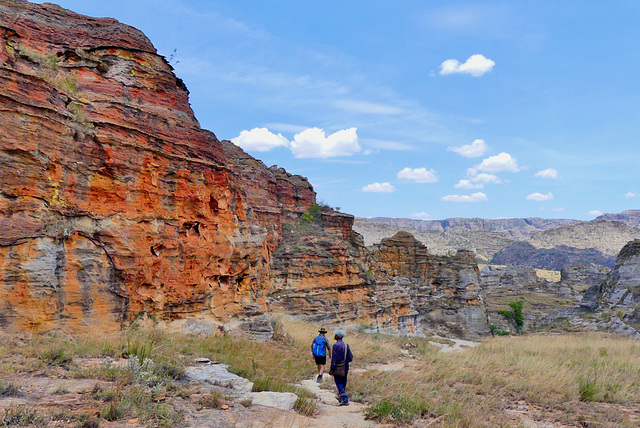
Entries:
{"x":322,"y":330}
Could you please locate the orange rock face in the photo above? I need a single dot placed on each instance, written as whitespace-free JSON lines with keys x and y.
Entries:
{"x":114,"y":202}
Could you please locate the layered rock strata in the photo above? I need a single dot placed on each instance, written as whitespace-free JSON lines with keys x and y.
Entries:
{"x":115,"y":203}
{"x":445,"y":292}
{"x":113,"y":200}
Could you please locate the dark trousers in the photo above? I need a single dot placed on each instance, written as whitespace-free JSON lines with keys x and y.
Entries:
{"x":341,"y":383}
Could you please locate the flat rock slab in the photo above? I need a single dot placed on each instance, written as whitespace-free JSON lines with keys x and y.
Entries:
{"x":216,"y":377}
{"x":279,"y":400}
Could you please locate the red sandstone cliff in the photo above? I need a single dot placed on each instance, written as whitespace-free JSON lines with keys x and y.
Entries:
{"x":113,"y":201}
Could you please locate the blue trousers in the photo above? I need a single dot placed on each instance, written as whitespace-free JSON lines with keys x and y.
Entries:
{"x":341,"y":383}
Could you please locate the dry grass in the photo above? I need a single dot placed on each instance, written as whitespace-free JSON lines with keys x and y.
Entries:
{"x":476,"y":388}
{"x":572,"y":379}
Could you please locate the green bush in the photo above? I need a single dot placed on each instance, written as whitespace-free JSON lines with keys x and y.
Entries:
{"x":515,"y":315}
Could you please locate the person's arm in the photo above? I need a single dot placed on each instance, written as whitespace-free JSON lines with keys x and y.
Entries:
{"x":333,"y":360}
{"x":349,"y":354}
{"x":326,"y":343}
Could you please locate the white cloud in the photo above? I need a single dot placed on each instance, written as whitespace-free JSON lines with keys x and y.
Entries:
{"x":558,"y":209}
{"x":259,"y":140}
{"x":421,"y":215}
{"x":475,"y":149}
{"x":485,"y":178}
{"x":595,"y":213}
{"x":477,"y":181}
{"x":631,"y":195}
{"x":419,"y":175}
{"x":502,"y":162}
{"x":468,"y":184}
{"x":476,"y":197}
{"x":379,"y":188}
{"x":540,"y":197}
{"x":476,"y":65}
{"x":547,"y":173}
{"x":312,"y":143}
{"x":367,"y":107}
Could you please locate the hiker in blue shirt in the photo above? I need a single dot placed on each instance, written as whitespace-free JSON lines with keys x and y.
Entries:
{"x":319,"y":348}
{"x":342,"y":356}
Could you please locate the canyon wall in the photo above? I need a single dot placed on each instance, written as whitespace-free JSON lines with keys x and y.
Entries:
{"x":115,"y":203}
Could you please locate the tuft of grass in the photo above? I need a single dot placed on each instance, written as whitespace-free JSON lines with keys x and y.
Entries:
{"x":214,"y":400}
{"x":57,"y":357}
{"x":9,"y":389}
{"x":22,"y":416}
{"x":306,"y":404}
{"x":587,"y":388}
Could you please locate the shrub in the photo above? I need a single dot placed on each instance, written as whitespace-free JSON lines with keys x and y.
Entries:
{"x":515,"y":315}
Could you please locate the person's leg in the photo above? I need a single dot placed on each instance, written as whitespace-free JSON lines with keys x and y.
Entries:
{"x":341,"y":382}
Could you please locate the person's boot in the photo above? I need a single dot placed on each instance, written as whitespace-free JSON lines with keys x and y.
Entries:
{"x":319,"y":378}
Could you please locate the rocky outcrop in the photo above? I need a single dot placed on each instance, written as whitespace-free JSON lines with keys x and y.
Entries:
{"x":113,"y":200}
{"x":543,"y":301}
{"x":620,"y":291}
{"x":322,"y":272}
{"x":583,"y":277}
{"x":444,"y":291}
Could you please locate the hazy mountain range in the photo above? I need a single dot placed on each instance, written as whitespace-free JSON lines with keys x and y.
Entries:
{"x":538,"y":242}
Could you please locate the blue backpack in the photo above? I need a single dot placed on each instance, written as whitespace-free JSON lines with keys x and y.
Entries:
{"x":318,"y":347}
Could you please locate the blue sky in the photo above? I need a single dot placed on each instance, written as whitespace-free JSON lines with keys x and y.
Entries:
{"x":418,"y":109}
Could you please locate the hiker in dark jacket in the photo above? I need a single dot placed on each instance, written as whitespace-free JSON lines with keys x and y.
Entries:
{"x":319,"y":348}
{"x":341,"y":352}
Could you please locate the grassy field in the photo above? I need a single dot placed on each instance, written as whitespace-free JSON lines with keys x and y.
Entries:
{"x":565,"y":380}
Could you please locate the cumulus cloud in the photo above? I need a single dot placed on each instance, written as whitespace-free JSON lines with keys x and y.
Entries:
{"x":595,"y":213}
{"x":379,"y":188}
{"x":475,"y":197}
{"x":259,"y":140}
{"x":476,"y":65}
{"x":477,"y":180}
{"x":421,"y":215}
{"x":537,"y":196}
{"x":631,"y":195}
{"x":468,"y":184}
{"x":312,"y":143}
{"x":547,"y":173}
{"x":502,"y":162}
{"x":475,"y":149}
{"x":419,"y":175}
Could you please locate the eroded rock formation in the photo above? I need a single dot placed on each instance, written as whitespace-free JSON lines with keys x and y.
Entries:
{"x":114,"y":202}
{"x":444,"y":291}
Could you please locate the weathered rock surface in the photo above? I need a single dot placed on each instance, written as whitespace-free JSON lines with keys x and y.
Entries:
{"x":114,"y":202}
{"x":619,"y":294}
{"x":543,"y":301}
{"x":444,"y":291}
